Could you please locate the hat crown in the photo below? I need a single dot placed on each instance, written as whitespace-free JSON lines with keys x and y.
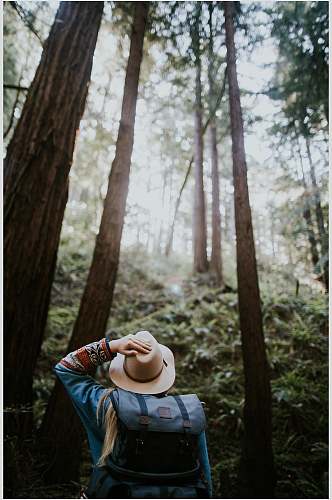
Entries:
{"x":151,"y":373}
{"x":145,"y":367}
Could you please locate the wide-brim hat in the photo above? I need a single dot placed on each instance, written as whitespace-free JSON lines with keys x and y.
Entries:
{"x":151,"y":373}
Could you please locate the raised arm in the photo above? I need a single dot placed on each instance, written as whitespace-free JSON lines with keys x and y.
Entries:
{"x":87,"y":358}
{"x":74,"y":371}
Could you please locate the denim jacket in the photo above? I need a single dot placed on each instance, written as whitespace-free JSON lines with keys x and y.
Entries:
{"x":74,"y":371}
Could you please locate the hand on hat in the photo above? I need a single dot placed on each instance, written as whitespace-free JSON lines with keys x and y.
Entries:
{"x":130,"y":346}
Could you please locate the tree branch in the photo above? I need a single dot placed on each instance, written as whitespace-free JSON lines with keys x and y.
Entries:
{"x":12,"y":116}
{"x":23,"y":16}
{"x":19,"y":88}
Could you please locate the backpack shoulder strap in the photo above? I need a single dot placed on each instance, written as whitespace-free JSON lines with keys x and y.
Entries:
{"x":184,"y":412}
{"x":114,"y":400}
{"x":144,"y":416}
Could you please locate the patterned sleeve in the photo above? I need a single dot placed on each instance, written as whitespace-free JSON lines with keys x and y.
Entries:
{"x":74,"y":372}
{"x":87,"y":358}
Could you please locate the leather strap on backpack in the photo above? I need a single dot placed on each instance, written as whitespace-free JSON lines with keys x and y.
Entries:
{"x":184,"y":412}
{"x":144,"y":421}
{"x":186,"y":423}
{"x":144,"y":417}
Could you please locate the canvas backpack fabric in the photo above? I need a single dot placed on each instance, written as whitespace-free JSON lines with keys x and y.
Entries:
{"x":155,"y":454}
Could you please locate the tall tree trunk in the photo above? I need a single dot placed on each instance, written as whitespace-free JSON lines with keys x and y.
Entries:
{"x":311,"y":234}
{"x":257,"y":459}
{"x":258,"y":237}
{"x":216,"y":263}
{"x":199,"y":216}
{"x":323,"y":237}
{"x":36,"y":173}
{"x":272,"y":231}
{"x":60,"y":429}
{"x":308,"y":219}
{"x":169,"y":244}
{"x":158,"y":239}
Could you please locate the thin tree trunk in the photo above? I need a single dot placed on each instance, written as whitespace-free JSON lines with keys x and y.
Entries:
{"x":178,"y":200}
{"x":36,"y":173}
{"x":158,"y":240}
{"x":199,"y":216}
{"x":169,"y":244}
{"x":60,"y":428}
{"x":216,"y":262}
{"x":320,"y":220}
{"x":258,"y":237}
{"x":308,"y":219}
{"x":257,"y":459}
{"x":272,"y":231}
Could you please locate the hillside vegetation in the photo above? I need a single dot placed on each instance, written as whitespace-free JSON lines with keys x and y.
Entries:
{"x":200,"y":325}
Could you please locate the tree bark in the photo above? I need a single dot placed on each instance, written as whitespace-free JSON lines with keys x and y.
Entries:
{"x":257,"y":468}
{"x":320,"y":220}
{"x":60,"y":429}
{"x":216,"y":262}
{"x":199,"y":216}
{"x":36,"y":173}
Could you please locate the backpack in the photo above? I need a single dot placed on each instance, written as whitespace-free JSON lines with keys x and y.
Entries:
{"x":155,"y":454}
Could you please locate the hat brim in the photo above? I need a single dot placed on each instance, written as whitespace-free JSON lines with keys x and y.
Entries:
{"x":160,"y":384}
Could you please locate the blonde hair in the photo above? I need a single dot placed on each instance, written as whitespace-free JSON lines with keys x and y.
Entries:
{"x":110,"y":425}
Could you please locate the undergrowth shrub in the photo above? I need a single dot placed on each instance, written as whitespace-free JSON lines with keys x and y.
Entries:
{"x":200,"y":324}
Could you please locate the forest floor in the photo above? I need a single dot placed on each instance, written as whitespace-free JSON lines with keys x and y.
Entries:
{"x":200,"y":324}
